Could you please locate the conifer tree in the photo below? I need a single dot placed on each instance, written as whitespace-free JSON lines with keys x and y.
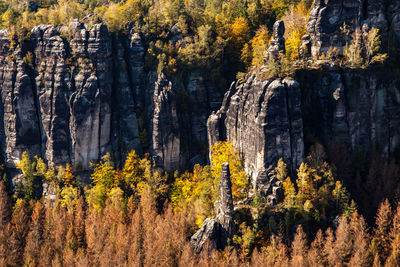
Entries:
{"x":34,"y":239}
{"x":5,"y":214}
{"x":382,"y":229}
{"x":19,"y":229}
{"x":299,"y":248}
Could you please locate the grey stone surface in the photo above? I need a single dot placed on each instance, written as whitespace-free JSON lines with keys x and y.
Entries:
{"x":359,"y":108}
{"x":263,"y":120}
{"x":277,"y":44}
{"x":327,"y":17}
{"x":218,"y":231}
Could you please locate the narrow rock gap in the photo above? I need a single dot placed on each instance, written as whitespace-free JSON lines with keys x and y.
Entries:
{"x":115,"y":111}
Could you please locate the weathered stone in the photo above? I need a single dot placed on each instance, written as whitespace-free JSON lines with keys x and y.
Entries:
{"x":20,"y":128}
{"x":327,"y":18}
{"x":359,"y":108}
{"x":225,"y":209}
{"x":209,"y":232}
{"x":219,"y":231}
{"x":263,"y":120}
{"x":277,"y":44}
{"x":166,"y":131}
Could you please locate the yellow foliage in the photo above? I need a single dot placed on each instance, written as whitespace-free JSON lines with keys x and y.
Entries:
{"x":225,"y":152}
{"x":195,"y":189}
{"x":259,"y":45}
{"x":290,"y":193}
{"x":68,"y":175}
{"x":295,"y":23}
{"x":69,"y":197}
{"x":104,"y":172}
{"x":26,"y":165}
{"x":239,"y":31}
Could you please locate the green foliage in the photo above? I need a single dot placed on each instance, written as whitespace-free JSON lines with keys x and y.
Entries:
{"x":195,"y":189}
{"x":69,"y":197}
{"x":30,"y":183}
{"x":316,"y":194}
{"x":278,"y":68}
{"x":134,"y":176}
{"x":214,"y":32}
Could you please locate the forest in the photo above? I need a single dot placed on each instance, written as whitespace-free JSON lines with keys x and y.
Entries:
{"x":135,"y":216}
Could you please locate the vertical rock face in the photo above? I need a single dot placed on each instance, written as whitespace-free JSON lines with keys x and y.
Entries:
{"x":53,"y":88}
{"x":19,"y":125}
{"x":166,"y":134}
{"x":263,"y":121}
{"x":327,"y":17}
{"x":220,"y":230}
{"x":70,"y":94}
{"x":59,"y":96}
{"x":225,"y":210}
{"x":359,"y":108}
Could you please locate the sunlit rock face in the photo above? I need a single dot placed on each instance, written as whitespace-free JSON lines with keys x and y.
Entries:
{"x":71,"y":94}
{"x":263,"y":121}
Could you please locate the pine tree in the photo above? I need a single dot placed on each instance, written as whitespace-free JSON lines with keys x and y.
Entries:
{"x":34,"y":239}
{"x":5,"y":216}
{"x":361,"y":255}
{"x":316,"y":255}
{"x":19,"y":229}
{"x":382,"y":229}
{"x":343,"y":247}
{"x":299,"y":248}
{"x":394,"y":257}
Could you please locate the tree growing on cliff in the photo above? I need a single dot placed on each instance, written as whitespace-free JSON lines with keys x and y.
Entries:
{"x":364,"y":48}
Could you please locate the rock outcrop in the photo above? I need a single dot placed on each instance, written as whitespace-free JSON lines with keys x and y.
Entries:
{"x":357,"y":107}
{"x":327,"y":18}
{"x":166,"y":131}
{"x":263,"y":120}
{"x":220,"y":230}
{"x":277,"y":44}
{"x":70,"y":94}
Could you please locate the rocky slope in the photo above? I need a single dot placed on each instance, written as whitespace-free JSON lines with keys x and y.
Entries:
{"x":267,"y":120}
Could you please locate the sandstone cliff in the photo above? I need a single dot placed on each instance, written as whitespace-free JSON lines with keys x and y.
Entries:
{"x":328,"y":16}
{"x":71,"y":94}
{"x":263,"y":120}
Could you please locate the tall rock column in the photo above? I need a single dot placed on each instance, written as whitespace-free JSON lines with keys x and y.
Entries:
{"x":277,"y":44}
{"x":90,"y":123}
{"x":166,"y":135}
{"x":220,"y":230}
{"x":53,"y":90}
{"x":20,"y":130}
{"x":225,"y":210}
